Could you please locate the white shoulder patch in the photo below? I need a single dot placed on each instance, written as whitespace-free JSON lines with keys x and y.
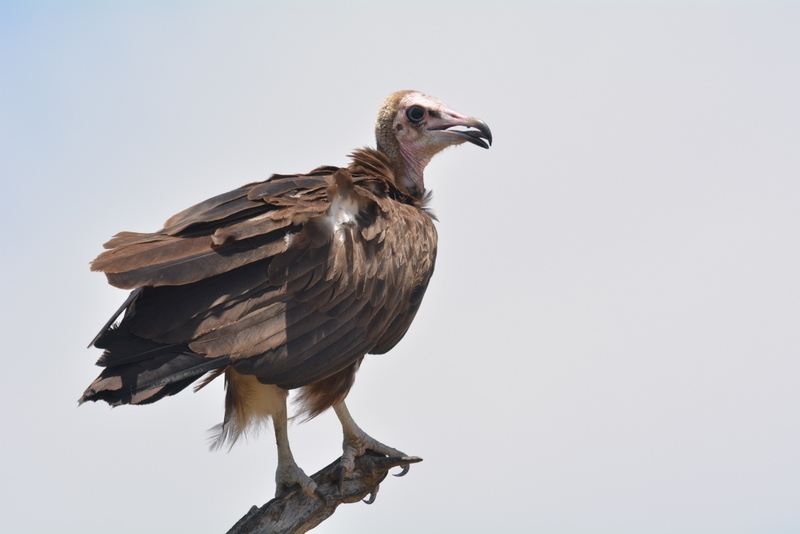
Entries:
{"x":342,"y":212}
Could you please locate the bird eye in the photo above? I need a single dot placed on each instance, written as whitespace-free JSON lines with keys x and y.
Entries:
{"x":415,"y":113}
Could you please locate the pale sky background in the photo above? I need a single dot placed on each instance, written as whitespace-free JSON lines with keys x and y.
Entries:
{"x":610,"y":343}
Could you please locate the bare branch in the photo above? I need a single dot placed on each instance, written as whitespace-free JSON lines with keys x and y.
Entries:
{"x":294,"y":512}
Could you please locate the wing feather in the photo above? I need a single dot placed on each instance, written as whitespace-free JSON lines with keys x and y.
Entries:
{"x":272,"y":280}
{"x":214,"y":209}
{"x":175,"y":261}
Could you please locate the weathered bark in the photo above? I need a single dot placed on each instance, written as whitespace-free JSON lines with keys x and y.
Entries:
{"x":294,"y":512}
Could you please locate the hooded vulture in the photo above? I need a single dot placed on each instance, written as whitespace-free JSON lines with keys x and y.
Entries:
{"x":283,"y":284}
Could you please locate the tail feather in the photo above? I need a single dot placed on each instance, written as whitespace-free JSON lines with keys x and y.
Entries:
{"x":138,"y":371}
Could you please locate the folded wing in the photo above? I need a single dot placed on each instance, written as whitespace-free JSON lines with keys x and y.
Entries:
{"x":291,"y":280}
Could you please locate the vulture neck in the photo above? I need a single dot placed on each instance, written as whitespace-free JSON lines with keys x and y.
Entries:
{"x":412,"y":173}
{"x":378,"y":164}
{"x":408,"y":169}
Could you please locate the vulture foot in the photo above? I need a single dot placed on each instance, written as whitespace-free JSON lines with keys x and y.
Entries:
{"x":289,"y":474}
{"x":357,"y":444}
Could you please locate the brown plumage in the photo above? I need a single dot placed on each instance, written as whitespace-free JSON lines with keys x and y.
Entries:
{"x":282,"y":284}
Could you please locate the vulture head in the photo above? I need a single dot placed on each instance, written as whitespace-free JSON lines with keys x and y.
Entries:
{"x":413,"y":127}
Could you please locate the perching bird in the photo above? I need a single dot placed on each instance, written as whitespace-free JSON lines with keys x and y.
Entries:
{"x":283,"y":284}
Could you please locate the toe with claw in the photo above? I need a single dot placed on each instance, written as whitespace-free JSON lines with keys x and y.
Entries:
{"x":357,"y":443}
{"x":290,"y":474}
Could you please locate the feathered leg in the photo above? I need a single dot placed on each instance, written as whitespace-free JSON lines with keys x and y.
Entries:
{"x":248,"y":404}
{"x":357,"y":442}
{"x":288,"y":472}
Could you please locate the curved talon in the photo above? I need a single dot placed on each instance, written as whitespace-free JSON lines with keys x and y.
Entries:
{"x":404,"y":472}
{"x":372,"y":496}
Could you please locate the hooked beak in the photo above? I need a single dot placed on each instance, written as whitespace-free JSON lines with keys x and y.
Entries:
{"x":478,"y":132}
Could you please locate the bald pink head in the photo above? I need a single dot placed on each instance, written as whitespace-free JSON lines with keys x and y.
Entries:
{"x":413,"y":127}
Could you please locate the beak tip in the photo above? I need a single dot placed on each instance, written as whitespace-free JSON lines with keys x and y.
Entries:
{"x":484,"y":129}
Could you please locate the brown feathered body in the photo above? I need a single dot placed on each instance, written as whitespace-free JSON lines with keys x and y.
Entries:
{"x":283,"y":284}
{"x":287,"y":282}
